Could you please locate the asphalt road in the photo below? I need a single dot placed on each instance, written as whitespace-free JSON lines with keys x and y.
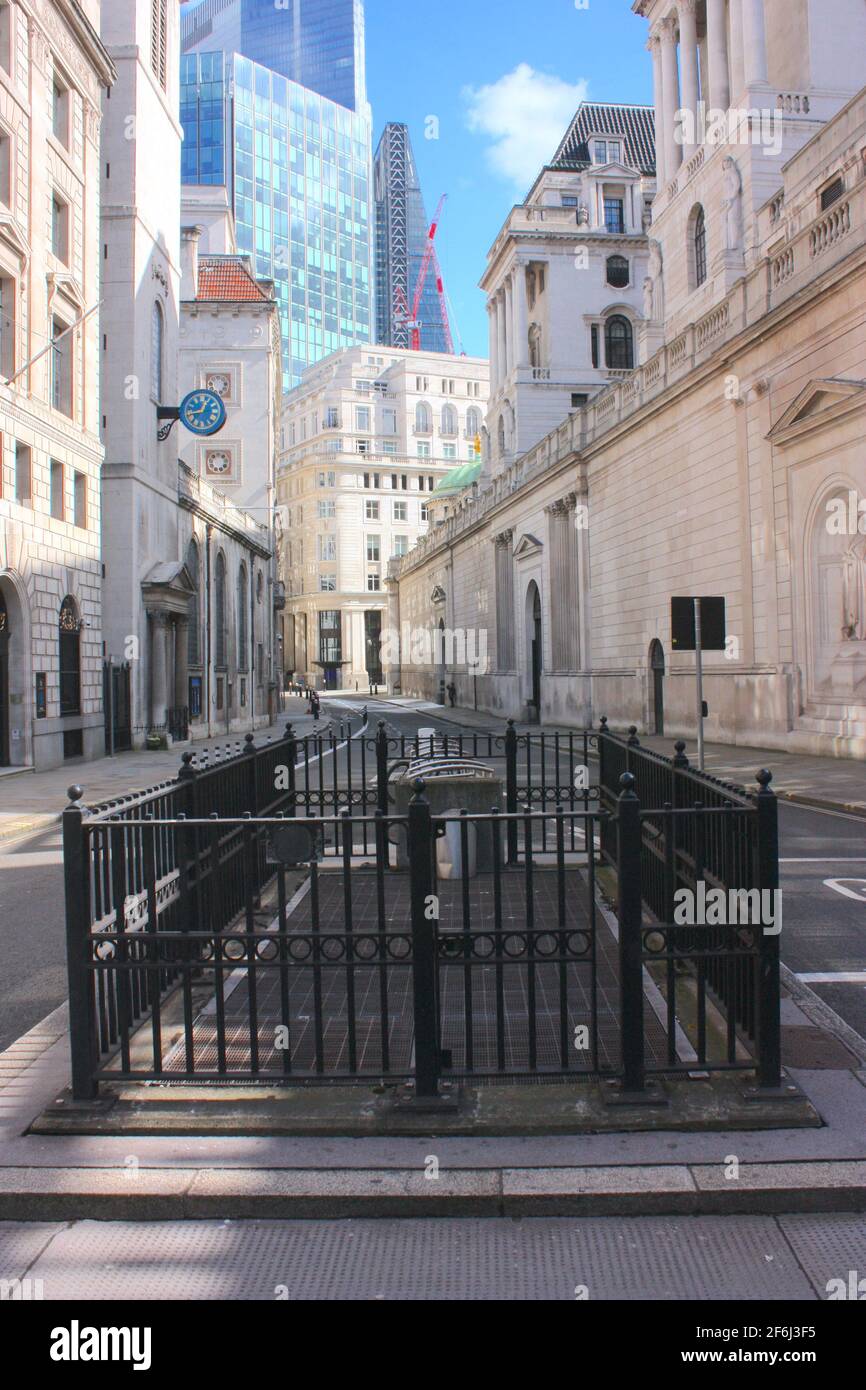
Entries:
{"x":823,"y":882}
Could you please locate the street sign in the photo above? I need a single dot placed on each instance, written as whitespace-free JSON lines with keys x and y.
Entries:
{"x":713,"y":634}
{"x":698,"y":625}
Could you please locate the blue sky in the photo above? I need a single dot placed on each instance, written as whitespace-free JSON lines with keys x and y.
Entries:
{"x":503,"y":77}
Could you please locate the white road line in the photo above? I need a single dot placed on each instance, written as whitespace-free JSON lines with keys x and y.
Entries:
{"x":827,"y":859}
{"x":833,"y":977}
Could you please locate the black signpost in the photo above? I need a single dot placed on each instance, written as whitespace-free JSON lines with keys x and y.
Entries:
{"x":698,"y":625}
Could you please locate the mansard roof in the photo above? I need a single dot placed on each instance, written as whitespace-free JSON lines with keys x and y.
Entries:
{"x":229,"y":278}
{"x":634,"y":125}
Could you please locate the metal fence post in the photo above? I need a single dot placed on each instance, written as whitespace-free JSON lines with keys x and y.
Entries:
{"x":424,"y":966}
{"x":769,"y":1002}
{"x":511,"y":790}
{"x":252,"y":768}
{"x":382,"y":768}
{"x":630,"y":916}
{"x":82,"y":1034}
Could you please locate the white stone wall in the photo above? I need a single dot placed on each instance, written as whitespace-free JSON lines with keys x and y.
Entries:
{"x":44,"y":558}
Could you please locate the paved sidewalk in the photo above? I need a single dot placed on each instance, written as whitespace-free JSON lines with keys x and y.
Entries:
{"x":30,"y":800}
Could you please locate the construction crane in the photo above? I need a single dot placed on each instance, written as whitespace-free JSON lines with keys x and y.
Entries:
{"x":409,"y":318}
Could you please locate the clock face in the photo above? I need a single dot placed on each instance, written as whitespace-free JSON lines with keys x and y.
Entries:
{"x":218,"y":463}
{"x":203,"y":412}
{"x":220,"y":383}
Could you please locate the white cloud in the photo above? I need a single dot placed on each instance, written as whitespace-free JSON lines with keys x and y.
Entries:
{"x":525,"y":113}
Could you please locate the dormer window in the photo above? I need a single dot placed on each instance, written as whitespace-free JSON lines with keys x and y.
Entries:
{"x":599,"y":152}
{"x":614,"y":151}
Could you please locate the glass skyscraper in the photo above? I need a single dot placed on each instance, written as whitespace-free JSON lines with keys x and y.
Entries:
{"x":298,"y":170}
{"x":318,"y":43}
{"x":401,"y":240}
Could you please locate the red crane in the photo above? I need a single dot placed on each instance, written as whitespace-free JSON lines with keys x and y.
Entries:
{"x":402,"y":313}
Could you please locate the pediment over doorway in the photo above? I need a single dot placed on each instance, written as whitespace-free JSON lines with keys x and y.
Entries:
{"x":823,"y":401}
{"x":438,"y":595}
{"x":527,"y":545}
{"x":168,"y":586}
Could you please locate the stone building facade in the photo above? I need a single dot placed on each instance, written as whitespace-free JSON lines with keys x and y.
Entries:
{"x":729,"y":463}
{"x":53,"y":70}
{"x":367,"y":437}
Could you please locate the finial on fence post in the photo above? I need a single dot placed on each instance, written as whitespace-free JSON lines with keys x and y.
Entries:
{"x":75,"y":793}
{"x":187,"y":772}
{"x":764,"y":778}
{"x":680,"y":759}
{"x":603,"y":725}
{"x":633,"y":740}
{"x":249,"y":744}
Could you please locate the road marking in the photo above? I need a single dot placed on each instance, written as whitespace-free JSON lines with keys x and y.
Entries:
{"x":827,"y":859}
{"x":833,"y":977}
{"x":836,"y":885}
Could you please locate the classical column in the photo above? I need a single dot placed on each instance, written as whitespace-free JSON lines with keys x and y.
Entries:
{"x":717,"y":48}
{"x":158,"y":668}
{"x":738,"y":70}
{"x":509,"y":327}
{"x":501,"y":359}
{"x":754,"y":42}
{"x":689,"y":67}
{"x":521,"y":327}
{"x":654,"y":47}
{"x":181,"y":666}
{"x":493,"y":340}
{"x":670,"y":96}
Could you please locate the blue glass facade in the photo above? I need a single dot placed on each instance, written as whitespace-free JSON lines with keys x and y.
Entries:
{"x":298,"y":170}
{"x":318,"y":43}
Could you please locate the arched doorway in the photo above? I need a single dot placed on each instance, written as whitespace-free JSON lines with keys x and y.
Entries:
{"x":534,"y":644}
{"x":4,"y":682}
{"x":657,"y":668}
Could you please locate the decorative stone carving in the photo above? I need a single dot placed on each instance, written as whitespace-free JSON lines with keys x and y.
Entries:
{"x":655,"y":274}
{"x":535,"y":345}
{"x":732,"y":204}
{"x":854,"y":592}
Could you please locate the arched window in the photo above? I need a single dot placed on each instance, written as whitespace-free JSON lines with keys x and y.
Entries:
{"x":157,"y":333}
{"x":700,"y":247}
{"x":70,"y":657}
{"x":220,"y":610}
{"x":618,"y":344}
{"x":243,"y":627}
{"x":193,"y":565}
{"x":617,"y":271}
{"x":473,"y":422}
{"x":422,"y":418}
{"x":449,"y":420}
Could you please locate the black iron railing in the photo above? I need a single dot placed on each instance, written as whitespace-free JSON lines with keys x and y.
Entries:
{"x":248,"y":920}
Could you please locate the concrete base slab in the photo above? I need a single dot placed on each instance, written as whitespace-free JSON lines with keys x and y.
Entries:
{"x":579,"y":1107}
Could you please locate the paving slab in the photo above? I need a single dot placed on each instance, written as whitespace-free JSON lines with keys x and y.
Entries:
{"x":584,"y":1191}
{"x":344,"y":1193}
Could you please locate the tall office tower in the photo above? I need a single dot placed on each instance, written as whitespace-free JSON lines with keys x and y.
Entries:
{"x":298,"y":170}
{"x":401,"y":237}
{"x":318,"y":43}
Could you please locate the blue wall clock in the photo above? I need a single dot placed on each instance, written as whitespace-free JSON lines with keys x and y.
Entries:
{"x":203,"y":412}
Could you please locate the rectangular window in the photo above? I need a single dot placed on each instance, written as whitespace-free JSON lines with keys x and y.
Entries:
{"x":60,"y":110}
{"x":374,"y":550}
{"x":60,"y":229}
{"x":389,"y":422}
{"x":449,"y":451}
{"x":599,"y":152}
{"x":80,"y":500}
{"x":423,"y":451}
{"x":363,"y":446}
{"x":401,"y":511}
{"x":613,"y":215}
{"x":614,"y":151}
{"x":7,"y":326}
{"x":23,"y":475}
{"x":330,"y":637}
{"x":327,"y":583}
{"x":568,"y":201}
{"x":332,"y":420}
{"x":159,"y":41}
{"x":389,"y":446}
{"x":404,"y":481}
{"x":371,"y":509}
{"x":425,"y":511}
{"x":401,"y":546}
{"x":61,"y":367}
{"x":58,"y":510}
{"x":594,"y":341}
{"x":5,"y":169}
{"x":362,"y":418}
{"x":374,"y":583}
{"x":6,"y":36}
{"x":328,"y":479}
{"x":326,"y":547}
{"x":832,"y":194}
{"x":326,"y":509}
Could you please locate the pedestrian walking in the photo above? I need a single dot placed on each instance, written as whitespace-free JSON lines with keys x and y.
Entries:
{"x":452,"y":694}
